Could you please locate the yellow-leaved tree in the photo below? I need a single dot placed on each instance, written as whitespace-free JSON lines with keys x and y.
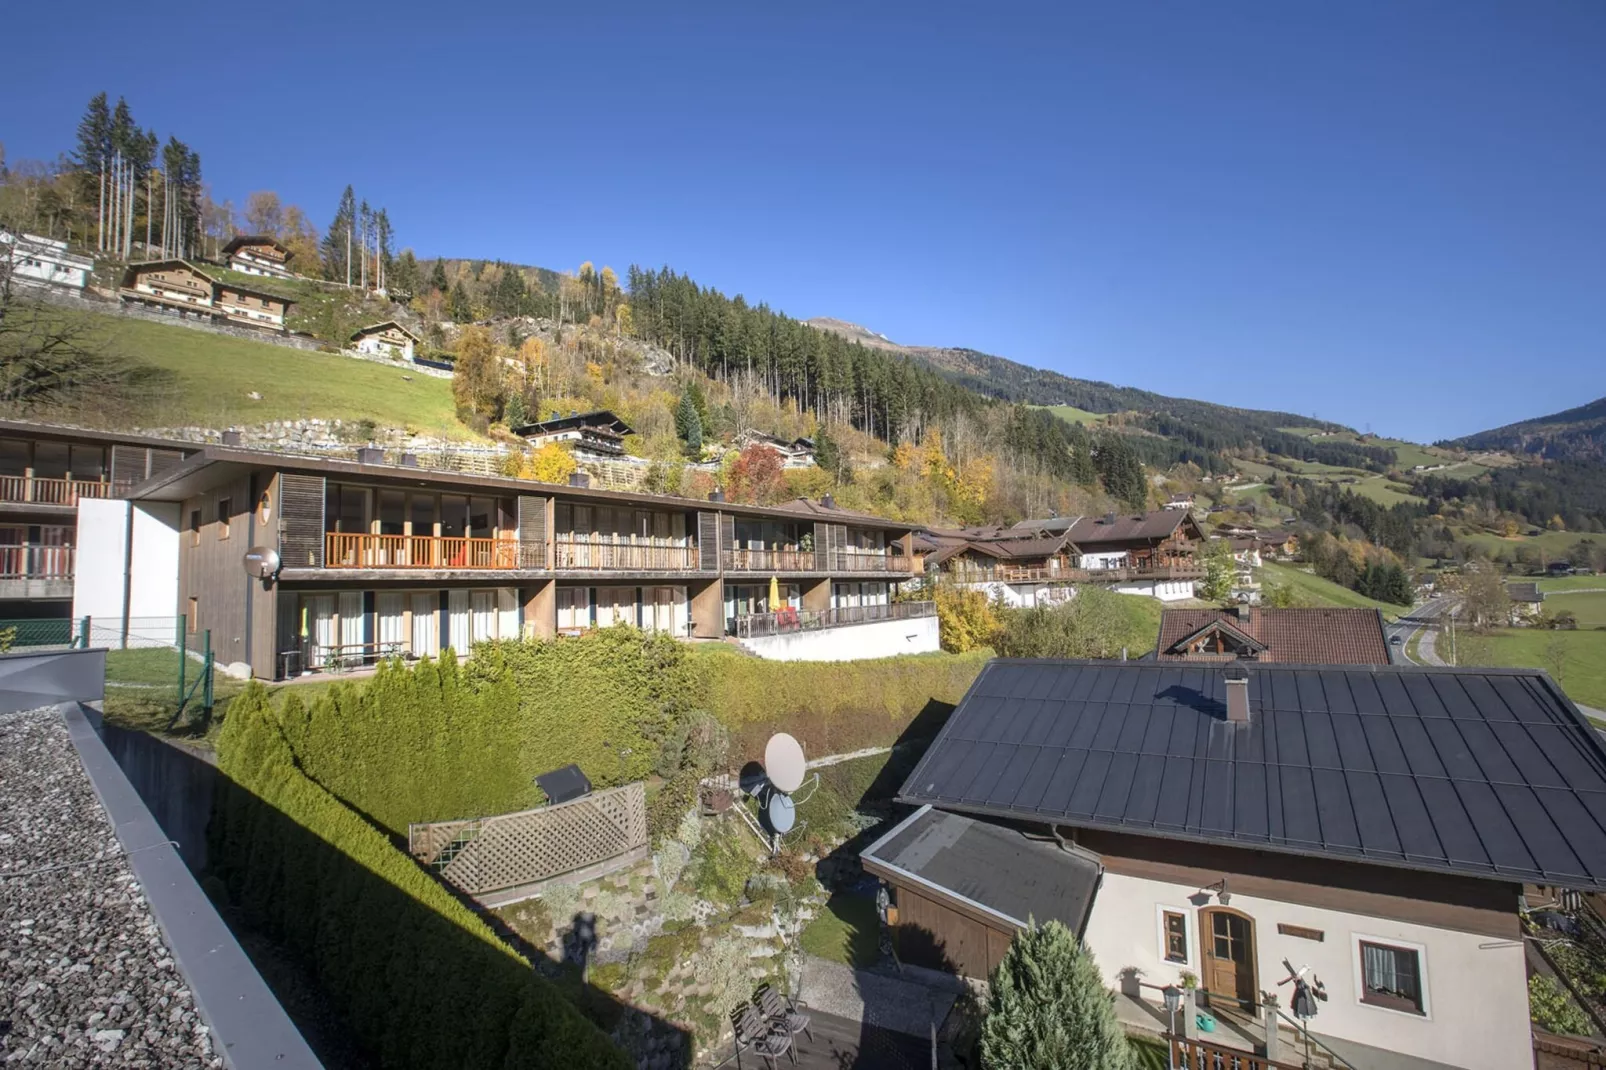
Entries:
{"x":549,"y":464}
{"x":965,"y":618}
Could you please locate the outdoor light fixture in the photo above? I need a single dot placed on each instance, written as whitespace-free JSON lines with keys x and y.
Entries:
{"x":1173,"y":1003}
{"x":1173,"y":999}
{"x":1220,"y":889}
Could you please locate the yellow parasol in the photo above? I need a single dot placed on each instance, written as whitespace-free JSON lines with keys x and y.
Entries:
{"x":775,"y":595}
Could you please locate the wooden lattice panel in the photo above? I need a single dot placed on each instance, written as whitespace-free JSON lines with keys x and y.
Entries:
{"x":536,"y":845}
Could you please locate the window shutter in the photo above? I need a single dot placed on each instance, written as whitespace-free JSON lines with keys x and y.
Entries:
{"x":301,"y":521}
{"x":164,"y":461}
{"x":708,"y":541}
{"x":532,"y":531}
{"x":727,"y":533}
{"x":128,"y":466}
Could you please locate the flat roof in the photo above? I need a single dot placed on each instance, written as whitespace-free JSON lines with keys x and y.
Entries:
{"x":1489,"y":773}
{"x":68,"y":433}
{"x":213,"y":464}
{"x":992,"y":868}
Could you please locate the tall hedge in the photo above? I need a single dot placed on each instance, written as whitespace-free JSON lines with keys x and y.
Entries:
{"x":832,"y":707}
{"x":416,"y":976}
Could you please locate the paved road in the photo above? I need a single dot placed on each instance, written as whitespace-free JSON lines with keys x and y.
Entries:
{"x":1424,"y":619}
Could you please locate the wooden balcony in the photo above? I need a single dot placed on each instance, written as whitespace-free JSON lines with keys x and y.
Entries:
{"x":419,"y":551}
{"x":606,"y":554}
{"x":40,"y":491}
{"x":1022,"y":574}
{"x":36,"y":562}
{"x":867,"y":561}
{"x":770,"y":561}
{"x":783,"y":621}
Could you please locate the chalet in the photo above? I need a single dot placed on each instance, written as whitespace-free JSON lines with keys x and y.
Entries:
{"x":45,"y":472}
{"x":40,"y":261}
{"x":597,"y":435}
{"x":376,"y":559}
{"x":1527,"y":601}
{"x":180,"y":287}
{"x":798,"y":453}
{"x":388,"y":339}
{"x":1157,"y":551}
{"x":1218,"y":830}
{"x":1180,"y":501}
{"x":259,"y":254}
{"x":1303,"y":636}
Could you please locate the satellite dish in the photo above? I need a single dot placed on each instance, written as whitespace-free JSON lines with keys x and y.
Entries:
{"x":782,"y":813}
{"x":783,"y":761}
{"x":261,"y":562}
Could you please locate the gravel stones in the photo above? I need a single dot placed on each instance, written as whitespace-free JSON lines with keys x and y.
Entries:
{"x":85,"y":977}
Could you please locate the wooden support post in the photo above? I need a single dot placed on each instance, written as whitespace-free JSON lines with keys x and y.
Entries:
{"x":540,"y":606}
{"x":817,"y":595}
{"x":707,"y":609}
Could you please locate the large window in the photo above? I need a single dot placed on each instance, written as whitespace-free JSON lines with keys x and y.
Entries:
{"x":574,"y":608}
{"x":1391,"y":977}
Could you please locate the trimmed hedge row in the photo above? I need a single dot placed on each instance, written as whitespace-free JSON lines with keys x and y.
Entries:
{"x":833,"y":707}
{"x":416,"y":976}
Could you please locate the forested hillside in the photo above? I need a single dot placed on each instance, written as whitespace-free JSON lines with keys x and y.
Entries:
{"x":1574,"y":435}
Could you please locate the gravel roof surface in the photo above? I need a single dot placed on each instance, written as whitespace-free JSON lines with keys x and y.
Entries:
{"x":85,"y":977}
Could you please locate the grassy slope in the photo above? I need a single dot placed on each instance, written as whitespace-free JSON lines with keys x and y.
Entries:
{"x":1381,"y":490}
{"x":1073,"y":415}
{"x":215,"y":373}
{"x":1573,"y":583}
{"x":1142,"y":623}
{"x":1554,"y":543}
{"x":1583,"y":674}
{"x":1312,"y":590}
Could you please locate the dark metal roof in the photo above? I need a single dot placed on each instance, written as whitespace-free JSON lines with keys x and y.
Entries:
{"x":601,"y":418}
{"x":1482,"y":772}
{"x":1090,"y":531}
{"x":994,"y":868}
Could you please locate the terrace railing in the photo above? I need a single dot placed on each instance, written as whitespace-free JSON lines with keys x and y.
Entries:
{"x":418,"y":551}
{"x":786,"y":621}
{"x":770,"y":561}
{"x":36,"y":562}
{"x":605,"y":554}
{"x":42,"y":491}
{"x":866,"y":561}
{"x":1021,"y":574}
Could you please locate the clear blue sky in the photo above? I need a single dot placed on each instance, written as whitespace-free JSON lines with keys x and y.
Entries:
{"x":1383,"y":213}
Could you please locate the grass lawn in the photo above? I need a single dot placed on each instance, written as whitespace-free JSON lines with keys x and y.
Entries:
{"x":846,"y":931}
{"x":1384,"y":491}
{"x":1142,"y":625}
{"x":1583,"y":670}
{"x":1572,"y":583}
{"x":214,"y":373}
{"x":1554,"y":543}
{"x":1073,"y":415}
{"x":1311,"y":590}
{"x":1588,"y":608}
{"x":1253,"y":469}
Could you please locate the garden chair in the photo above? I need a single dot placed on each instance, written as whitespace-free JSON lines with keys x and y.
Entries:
{"x":753,"y":1032}
{"x":782,"y":1013}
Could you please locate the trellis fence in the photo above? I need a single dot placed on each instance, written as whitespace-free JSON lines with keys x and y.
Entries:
{"x":509,"y":857}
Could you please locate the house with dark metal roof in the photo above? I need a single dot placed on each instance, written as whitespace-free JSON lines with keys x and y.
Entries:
{"x":1314,"y":636}
{"x":1372,"y":828}
{"x":1527,"y":601}
{"x":597,"y":434}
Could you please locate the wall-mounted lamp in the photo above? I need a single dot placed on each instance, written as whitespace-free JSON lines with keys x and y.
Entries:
{"x":1220,"y":888}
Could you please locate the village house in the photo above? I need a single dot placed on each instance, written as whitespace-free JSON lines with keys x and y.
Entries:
{"x":590,"y":435}
{"x":1527,"y":602}
{"x":1314,"y":636}
{"x":1221,"y":829}
{"x":374,"y":559}
{"x":180,"y":287}
{"x":259,"y":254}
{"x":45,"y":262}
{"x":388,"y":339}
{"x":798,"y":453}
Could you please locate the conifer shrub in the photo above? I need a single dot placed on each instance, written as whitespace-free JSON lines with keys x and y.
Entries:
{"x":1047,"y":1008}
{"x":418,"y":979}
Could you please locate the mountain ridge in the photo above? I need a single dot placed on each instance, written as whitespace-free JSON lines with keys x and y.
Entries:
{"x":1576,"y":434}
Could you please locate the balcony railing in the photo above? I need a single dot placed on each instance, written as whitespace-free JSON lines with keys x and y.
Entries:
{"x":866,"y":561}
{"x":419,"y":551}
{"x":770,"y":561}
{"x":785,"y":621}
{"x":605,"y":554}
{"x":36,"y":562}
{"x":51,"y":491}
{"x":1014,"y":574}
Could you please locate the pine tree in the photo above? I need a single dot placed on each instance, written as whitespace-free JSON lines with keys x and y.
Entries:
{"x":460,"y":308}
{"x":437,"y":278}
{"x":1048,"y":1009}
{"x":339,"y":240}
{"x":689,"y":425}
{"x":93,"y":155}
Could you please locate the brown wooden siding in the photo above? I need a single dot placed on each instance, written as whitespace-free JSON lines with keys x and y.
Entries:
{"x":708,"y":542}
{"x":933,"y":934}
{"x":211,"y":572}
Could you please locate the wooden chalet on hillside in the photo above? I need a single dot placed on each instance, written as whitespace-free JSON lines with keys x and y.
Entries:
{"x":178,"y":286}
{"x":1304,"y":636}
{"x":259,"y":254}
{"x":388,"y":339}
{"x":598,"y":434}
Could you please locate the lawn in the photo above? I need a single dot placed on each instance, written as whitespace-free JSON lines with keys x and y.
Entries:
{"x":1554,"y":544}
{"x":1073,"y":415}
{"x":214,"y":375}
{"x":1587,"y":607}
{"x":1311,"y":590}
{"x":846,"y":931}
{"x":1384,"y":491}
{"x":1142,"y":625}
{"x":1572,"y":583}
{"x":1583,"y":668}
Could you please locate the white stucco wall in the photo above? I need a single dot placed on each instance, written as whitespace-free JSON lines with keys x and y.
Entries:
{"x":853,"y":642}
{"x":1164,"y":590}
{"x":110,"y":565}
{"x":1475,"y":986}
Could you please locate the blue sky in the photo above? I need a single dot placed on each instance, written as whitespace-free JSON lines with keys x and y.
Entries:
{"x":1385,"y":214}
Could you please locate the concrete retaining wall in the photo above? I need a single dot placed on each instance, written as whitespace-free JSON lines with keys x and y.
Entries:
{"x":850,"y":642}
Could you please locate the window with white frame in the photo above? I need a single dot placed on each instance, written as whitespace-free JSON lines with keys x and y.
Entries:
{"x":574,"y":608}
{"x":1391,"y":975}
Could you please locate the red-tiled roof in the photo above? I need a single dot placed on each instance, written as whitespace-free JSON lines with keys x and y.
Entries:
{"x":1301,"y":636}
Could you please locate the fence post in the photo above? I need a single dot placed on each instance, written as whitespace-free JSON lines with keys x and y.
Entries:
{"x":84,"y":632}
{"x":206,"y":667}
{"x":183,"y":655}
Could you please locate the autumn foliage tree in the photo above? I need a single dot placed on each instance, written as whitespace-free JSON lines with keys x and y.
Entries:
{"x":478,"y":383}
{"x":756,"y":476}
{"x":549,"y":464}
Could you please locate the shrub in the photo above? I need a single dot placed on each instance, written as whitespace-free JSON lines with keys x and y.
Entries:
{"x":417,"y":978}
{"x":1047,"y":1008}
{"x":965,"y":618}
{"x":1553,"y":1009}
{"x":669,"y":807}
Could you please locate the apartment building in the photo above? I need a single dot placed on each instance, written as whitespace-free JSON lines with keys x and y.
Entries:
{"x":370,"y":560}
{"x":180,"y":287}
{"x":259,"y":254}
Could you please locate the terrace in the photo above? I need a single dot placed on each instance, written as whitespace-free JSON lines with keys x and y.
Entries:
{"x":786,"y":621}
{"x":423,"y":551}
{"x":41,"y":490}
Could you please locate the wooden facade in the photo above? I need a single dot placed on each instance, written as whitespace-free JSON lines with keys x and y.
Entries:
{"x":389,"y":339}
{"x":180,"y":287}
{"x":259,"y":254}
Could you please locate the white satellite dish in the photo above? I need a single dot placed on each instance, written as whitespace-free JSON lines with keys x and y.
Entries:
{"x":783,"y":762}
{"x":782,"y":813}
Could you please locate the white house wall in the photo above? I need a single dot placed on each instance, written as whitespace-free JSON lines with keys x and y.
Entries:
{"x":854,"y":642}
{"x":1164,"y":590}
{"x":117,"y":579}
{"x":1475,"y":986}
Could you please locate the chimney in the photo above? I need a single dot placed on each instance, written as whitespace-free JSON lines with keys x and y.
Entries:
{"x":370,"y":455}
{"x":717,"y":494}
{"x":829,"y":501}
{"x":1109,"y":518}
{"x":1237,"y":678}
{"x":1242,"y":612}
{"x":231,"y":438}
{"x":579,"y":479}
{"x":409,"y":460}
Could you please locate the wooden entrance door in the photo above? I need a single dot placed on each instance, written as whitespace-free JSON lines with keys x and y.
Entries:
{"x":1228,"y":958}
